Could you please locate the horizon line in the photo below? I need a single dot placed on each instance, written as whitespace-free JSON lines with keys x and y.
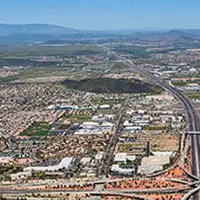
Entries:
{"x":100,"y":30}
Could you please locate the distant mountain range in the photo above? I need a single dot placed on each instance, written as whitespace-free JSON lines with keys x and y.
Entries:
{"x":40,"y":29}
{"x":28,"y":33}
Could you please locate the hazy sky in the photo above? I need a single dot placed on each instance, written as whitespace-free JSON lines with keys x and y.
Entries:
{"x":103,"y":14}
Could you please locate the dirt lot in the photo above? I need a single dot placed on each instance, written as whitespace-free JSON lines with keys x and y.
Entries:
{"x":159,"y":142}
{"x":164,"y":142}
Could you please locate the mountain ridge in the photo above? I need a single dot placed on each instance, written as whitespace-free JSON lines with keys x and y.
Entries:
{"x":12,"y":29}
{"x":37,"y":32}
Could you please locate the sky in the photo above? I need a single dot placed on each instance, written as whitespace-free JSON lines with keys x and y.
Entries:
{"x":104,"y":14}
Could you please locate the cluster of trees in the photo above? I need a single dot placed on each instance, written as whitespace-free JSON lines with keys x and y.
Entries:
{"x":109,"y":85}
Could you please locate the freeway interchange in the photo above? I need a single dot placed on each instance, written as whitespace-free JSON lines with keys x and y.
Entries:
{"x":191,"y":113}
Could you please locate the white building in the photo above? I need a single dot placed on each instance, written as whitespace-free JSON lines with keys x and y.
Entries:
{"x":123,"y":157}
{"x":117,"y":169}
{"x":99,"y":156}
{"x":162,"y":153}
{"x":133,"y":128}
{"x":153,"y":163}
{"x":90,"y":124}
{"x":145,"y":169}
{"x":120,"y":158}
{"x":106,"y":106}
{"x":20,"y":175}
{"x":65,"y":163}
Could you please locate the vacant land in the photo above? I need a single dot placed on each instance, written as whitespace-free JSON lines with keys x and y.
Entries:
{"x":164,"y":142}
{"x":27,"y":52}
{"x":158,"y":142}
{"x":134,"y":51}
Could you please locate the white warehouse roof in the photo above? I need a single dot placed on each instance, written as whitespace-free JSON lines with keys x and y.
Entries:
{"x":120,"y":157}
{"x":65,"y":163}
{"x":106,"y":106}
{"x":155,"y":160}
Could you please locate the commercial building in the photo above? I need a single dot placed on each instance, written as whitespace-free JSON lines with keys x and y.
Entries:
{"x":66,"y":163}
{"x":20,"y":175}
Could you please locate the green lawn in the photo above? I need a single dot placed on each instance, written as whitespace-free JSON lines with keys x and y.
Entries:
{"x":179,"y":83}
{"x":37,"y":129}
{"x":64,"y":126}
{"x":156,"y":128}
{"x":184,"y":83}
{"x":193,"y":95}
{"x":8,"y":79}
{"x":76,"y":118}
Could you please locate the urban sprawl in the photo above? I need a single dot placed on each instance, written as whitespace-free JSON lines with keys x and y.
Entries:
{"x":107,"y":119}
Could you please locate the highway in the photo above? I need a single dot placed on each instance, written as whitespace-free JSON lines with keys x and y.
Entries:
{"x":192,"y":115}
{"x":124,"y":192}
{"x":193,"y":125}
{"x":111,"y":147}
{"x":113,"y":142}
